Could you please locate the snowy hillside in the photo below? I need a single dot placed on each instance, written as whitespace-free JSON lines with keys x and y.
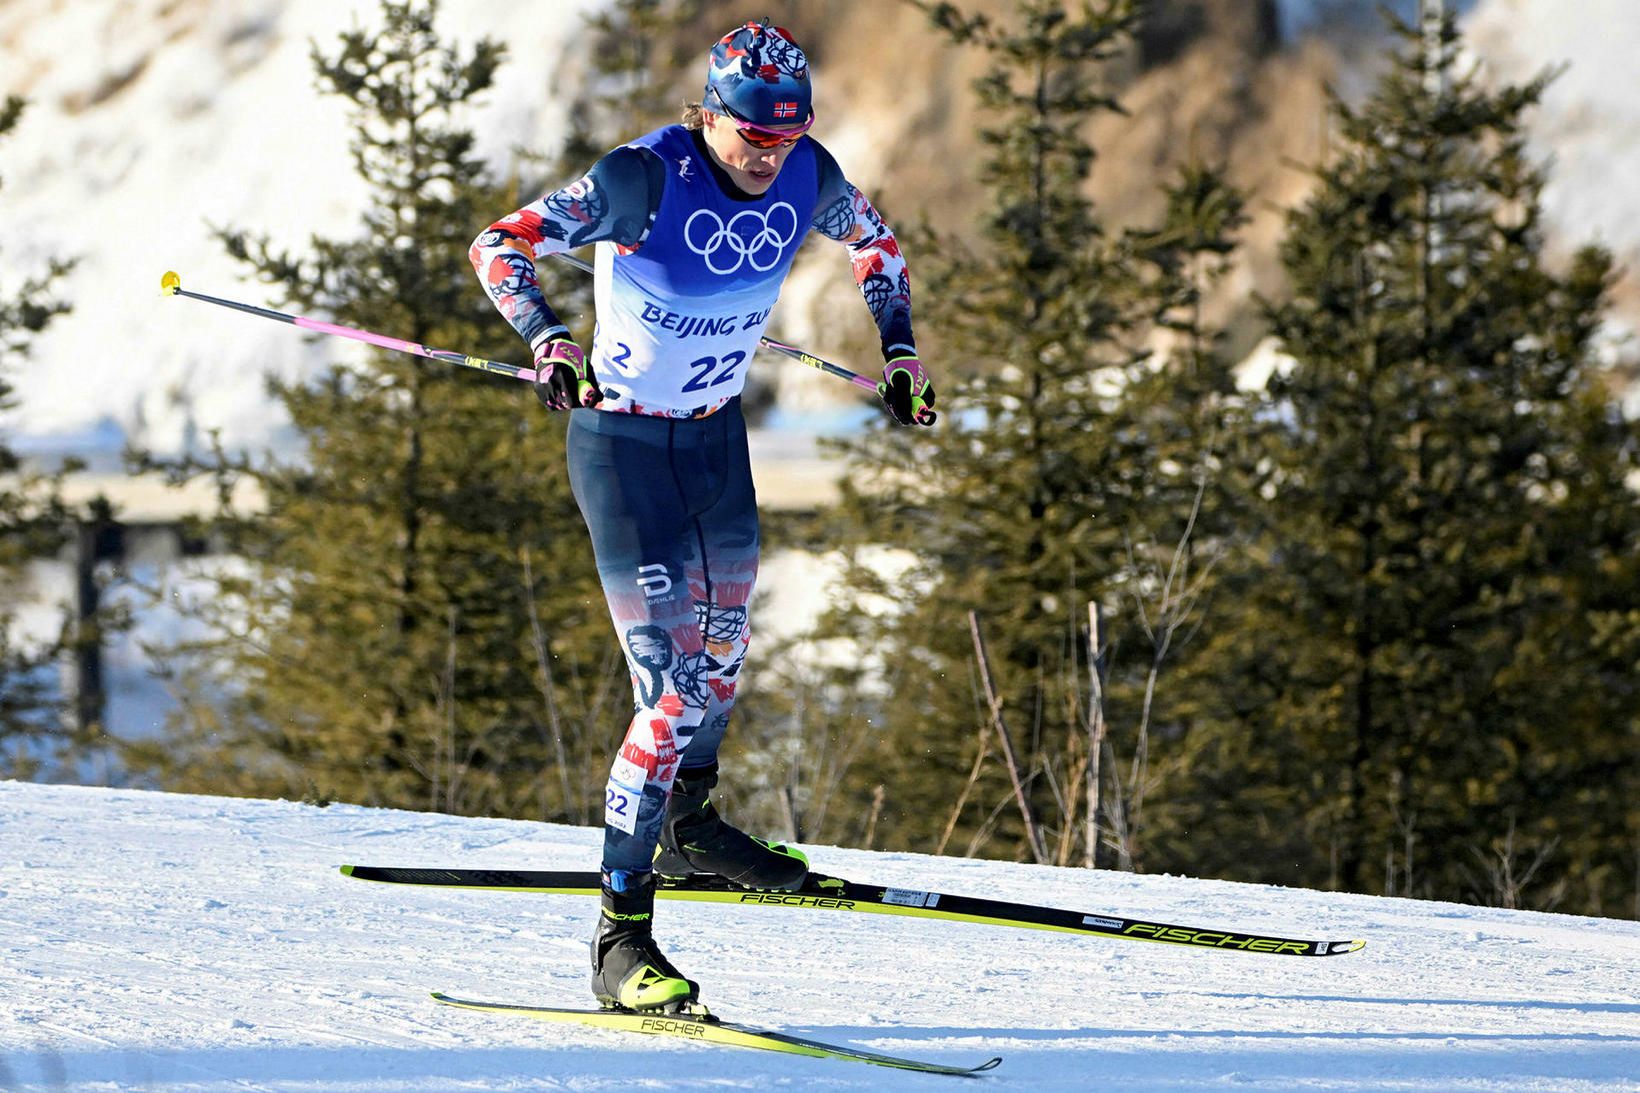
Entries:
{"x":1589,"y":124}
{"x":152,"y":120}
{"x":164,"y":942}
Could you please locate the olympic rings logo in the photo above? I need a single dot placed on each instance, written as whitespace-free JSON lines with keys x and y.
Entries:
{"x":750,"y":237}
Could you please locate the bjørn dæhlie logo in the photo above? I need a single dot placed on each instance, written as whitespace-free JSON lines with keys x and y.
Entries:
{"x":750,"y":238}
{"x":653,"y":580}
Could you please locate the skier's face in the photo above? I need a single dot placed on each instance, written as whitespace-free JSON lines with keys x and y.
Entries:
{"x":752,"y":169}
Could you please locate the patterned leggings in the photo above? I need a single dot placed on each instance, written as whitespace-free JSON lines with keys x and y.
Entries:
{"x":673,"y":518}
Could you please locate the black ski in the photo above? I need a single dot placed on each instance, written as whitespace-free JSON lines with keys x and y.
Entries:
{"x":825,"y":893}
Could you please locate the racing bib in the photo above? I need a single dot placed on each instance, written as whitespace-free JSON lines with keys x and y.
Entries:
{"x":679,"y":319}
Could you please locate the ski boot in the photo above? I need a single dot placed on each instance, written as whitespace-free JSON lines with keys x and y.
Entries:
{"x":628,"y":970}
{"x":694,"y":839}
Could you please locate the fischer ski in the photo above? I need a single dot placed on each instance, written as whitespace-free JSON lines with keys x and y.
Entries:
{"x":820,"y":892}
{"x":700,"y":1026}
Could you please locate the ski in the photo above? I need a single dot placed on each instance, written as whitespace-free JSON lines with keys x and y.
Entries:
{"x":820,"y":892}
{"x":700,"y":1026}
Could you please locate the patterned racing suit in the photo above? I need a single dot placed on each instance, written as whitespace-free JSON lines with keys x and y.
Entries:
{"x":688,"y":269}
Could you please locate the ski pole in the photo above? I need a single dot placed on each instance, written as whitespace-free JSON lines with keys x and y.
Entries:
{"x":791,"y":351}
{"x":171,"y":285}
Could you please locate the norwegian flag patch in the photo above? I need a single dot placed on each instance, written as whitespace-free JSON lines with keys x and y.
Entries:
{"x":785,"y":110}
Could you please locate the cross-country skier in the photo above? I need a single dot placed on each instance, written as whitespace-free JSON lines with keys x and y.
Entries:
{"x":697,"y":226}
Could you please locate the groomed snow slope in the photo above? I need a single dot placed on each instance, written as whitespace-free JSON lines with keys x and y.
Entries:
{"x":164,"y":942}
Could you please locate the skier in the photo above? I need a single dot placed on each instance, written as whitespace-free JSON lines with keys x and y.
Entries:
{"x":696,"y":225}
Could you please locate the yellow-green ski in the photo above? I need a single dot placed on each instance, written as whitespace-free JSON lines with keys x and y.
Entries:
{"x":700,"y":1026}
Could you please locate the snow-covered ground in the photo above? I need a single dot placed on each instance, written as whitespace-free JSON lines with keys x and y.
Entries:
{"x":165,"y":942}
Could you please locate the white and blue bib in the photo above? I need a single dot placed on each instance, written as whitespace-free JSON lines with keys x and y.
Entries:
{"x":679,"y":318}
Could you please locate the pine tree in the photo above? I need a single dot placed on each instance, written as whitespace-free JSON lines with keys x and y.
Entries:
{"x":418,"y":623}
{"x":635,"y":51}
{"x":1023,"y":503}
{"x":1426,"y":682}
{"x":33,"y":522}
{"x":1181,"y":428}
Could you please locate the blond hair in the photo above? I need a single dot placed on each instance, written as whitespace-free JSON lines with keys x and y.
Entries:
{"x":694,"y":115}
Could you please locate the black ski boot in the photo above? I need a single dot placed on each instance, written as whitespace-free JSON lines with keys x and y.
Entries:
{"x":628,"y":971}
{"x":694,"y":839}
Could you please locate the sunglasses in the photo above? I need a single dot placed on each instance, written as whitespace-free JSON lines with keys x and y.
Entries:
{"x":758,"y":136}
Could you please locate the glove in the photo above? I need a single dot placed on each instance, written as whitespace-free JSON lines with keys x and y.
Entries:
{"x":907,"y":392}
{"x":564,"y":379}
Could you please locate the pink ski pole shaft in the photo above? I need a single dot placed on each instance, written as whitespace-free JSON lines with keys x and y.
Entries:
{"x":171,"y":285}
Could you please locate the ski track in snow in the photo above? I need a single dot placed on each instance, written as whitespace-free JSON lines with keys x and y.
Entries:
{"x":167,"y":942}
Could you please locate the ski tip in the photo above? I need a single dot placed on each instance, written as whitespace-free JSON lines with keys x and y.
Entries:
{"x":1339,"y":948}
{"x":989,"y":1064}
{"x":169,"y":283}
{"x":347,"y":870}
